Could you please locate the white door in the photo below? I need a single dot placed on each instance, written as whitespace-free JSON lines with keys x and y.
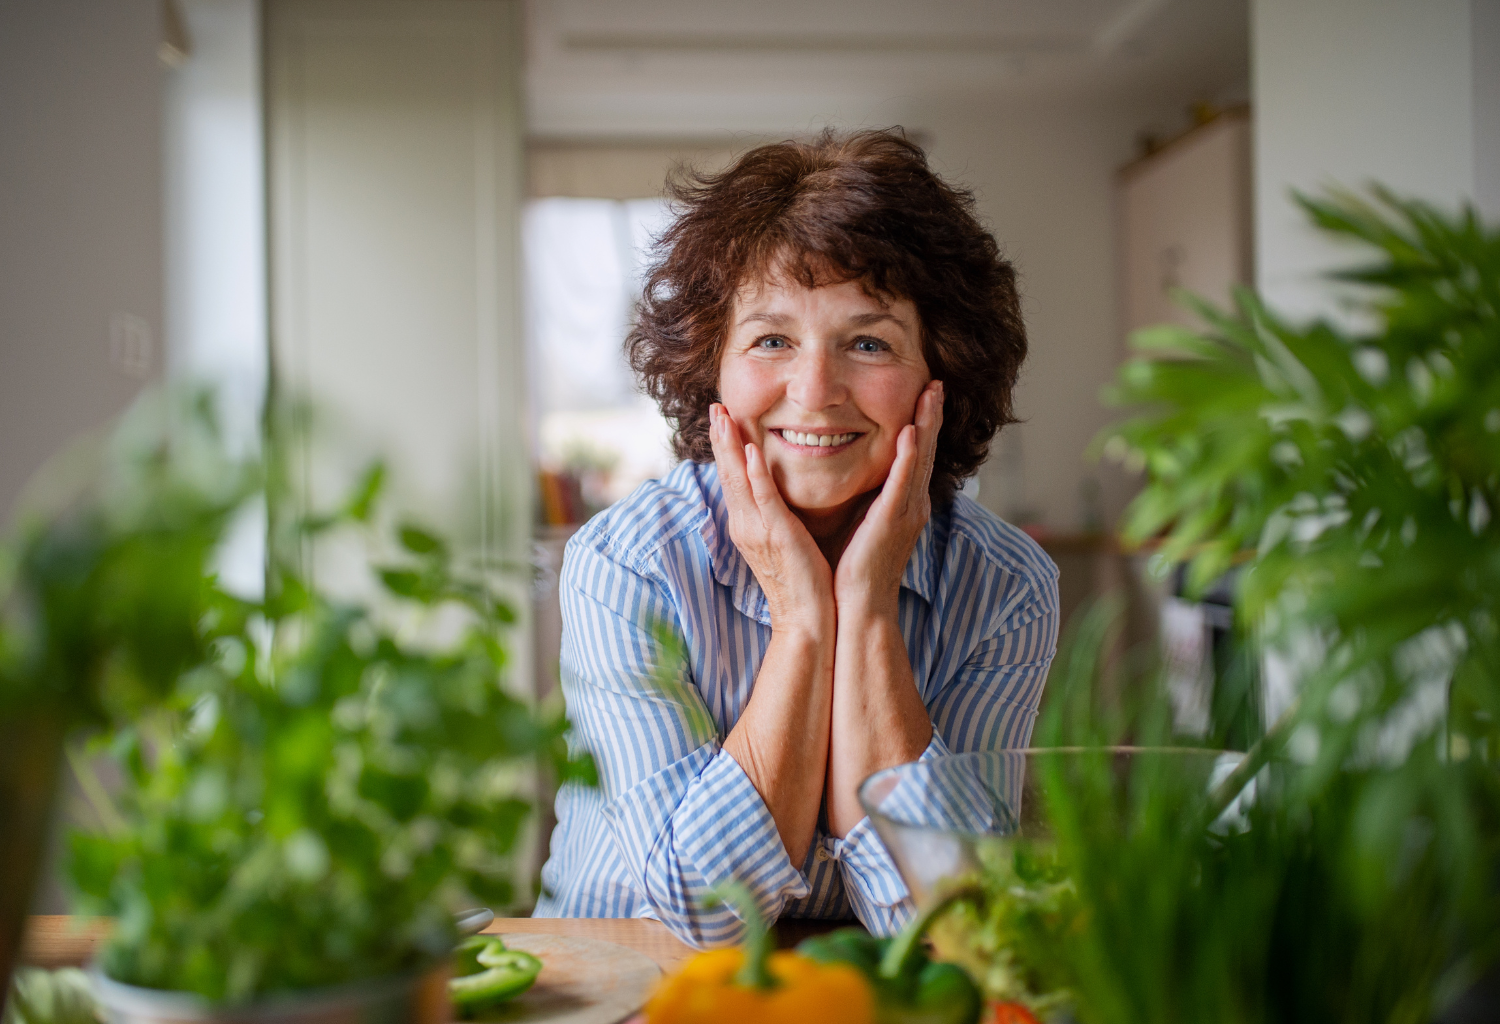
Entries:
{"x":395,"y":179}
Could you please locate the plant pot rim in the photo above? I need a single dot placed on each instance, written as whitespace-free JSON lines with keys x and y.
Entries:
{"x":139,"y":1002}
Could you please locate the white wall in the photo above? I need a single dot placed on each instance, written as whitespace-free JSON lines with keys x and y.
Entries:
{"x":215,"y":211}
{"x":1045,"y":183}
{"x":1486,"y":32}
{"x":395,"y":171}
{"x":1350,"y":92}
{"x":80,"y":238}
{"x":80,"y":221}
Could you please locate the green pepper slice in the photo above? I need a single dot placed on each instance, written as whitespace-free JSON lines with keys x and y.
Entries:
{"x":486,"y":973}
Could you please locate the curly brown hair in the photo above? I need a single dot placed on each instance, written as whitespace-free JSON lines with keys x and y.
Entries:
{"x":858,"y":207}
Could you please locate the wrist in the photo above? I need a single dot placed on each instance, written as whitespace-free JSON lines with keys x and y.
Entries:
{"x":864,"y":611}
{"x":813,"y":629}
{"x":814,"y":619}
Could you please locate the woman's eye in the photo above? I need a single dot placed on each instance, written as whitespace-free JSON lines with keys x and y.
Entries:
{"x":772,"y":343}
{"x":869,"y":345}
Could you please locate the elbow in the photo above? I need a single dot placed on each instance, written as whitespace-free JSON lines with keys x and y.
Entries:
{"x":700,"y":928}
{"x":683,"y":900}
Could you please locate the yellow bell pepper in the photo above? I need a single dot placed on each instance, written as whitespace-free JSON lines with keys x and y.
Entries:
{"x":756,"y":986}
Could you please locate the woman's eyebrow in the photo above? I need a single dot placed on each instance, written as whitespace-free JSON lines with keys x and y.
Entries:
{"x":857,"y":320}
{"x":867,"y":319}
{"x":774,"y":319}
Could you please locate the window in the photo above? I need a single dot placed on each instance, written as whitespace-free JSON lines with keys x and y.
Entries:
{"x":597,"y":436}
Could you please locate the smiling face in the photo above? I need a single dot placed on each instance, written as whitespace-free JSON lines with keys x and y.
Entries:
{"x":822,"y":380}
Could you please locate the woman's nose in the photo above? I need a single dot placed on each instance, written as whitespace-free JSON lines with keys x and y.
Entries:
{"x":816,"y":382}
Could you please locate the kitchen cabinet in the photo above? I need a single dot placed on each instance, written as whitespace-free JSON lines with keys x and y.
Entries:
{"x":1186,"y":223}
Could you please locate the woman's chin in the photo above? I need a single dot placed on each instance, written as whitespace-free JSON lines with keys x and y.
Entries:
{"x":823,"y":489}
{"x":824,"y":502}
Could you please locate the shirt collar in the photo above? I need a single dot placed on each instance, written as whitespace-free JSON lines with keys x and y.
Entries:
{"x":731,"y":570}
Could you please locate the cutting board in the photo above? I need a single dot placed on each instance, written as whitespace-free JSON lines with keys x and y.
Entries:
{"x":583,"y":981}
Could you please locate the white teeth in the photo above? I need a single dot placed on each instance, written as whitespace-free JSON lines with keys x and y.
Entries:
{"x":817,"y":440}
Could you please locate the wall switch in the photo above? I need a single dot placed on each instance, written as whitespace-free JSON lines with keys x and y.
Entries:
{"x":130,"y":344}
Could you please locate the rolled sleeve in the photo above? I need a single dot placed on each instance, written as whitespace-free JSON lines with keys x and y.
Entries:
{"x":692,"y":827}
{"x":684,"y":818}
{"x":872,"y":882}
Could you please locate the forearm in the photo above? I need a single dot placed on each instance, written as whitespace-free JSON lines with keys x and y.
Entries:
{"x":781,"y":738}
{"x":878,"y":718}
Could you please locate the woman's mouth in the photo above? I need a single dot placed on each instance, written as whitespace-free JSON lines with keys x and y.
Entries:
{"x":822,"y":442}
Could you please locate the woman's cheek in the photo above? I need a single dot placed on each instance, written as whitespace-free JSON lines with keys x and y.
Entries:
{"x":747,"y":395}
{"x":886,"y":460}
{"x":891,"y":396}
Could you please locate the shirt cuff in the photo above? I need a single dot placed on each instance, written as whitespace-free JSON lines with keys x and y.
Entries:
{"x":936,"y":747}
{"x":871,"y":879}
{"x":726,"y":831}
{"x":956,"y":796}
{"x":694,"y":825}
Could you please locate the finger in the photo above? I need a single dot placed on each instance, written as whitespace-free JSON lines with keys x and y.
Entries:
{"x":775,"y":516}
{"x":729,"y":429}
{"x":930,"y":417}
{"x":929,"y":427}
{"x":762,"y":484}
{"x":726,"y":454}
{"x":895,"y":496}
{"x":916,"y":471}
{"x":730,"y":457}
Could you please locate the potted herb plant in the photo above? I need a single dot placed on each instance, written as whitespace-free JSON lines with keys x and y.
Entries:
{"x":99,"y":601}
{"x":1349,"y":868}
{"x":311,"y":786}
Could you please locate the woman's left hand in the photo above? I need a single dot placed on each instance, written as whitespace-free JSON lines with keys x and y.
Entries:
{"x":868,"y":578}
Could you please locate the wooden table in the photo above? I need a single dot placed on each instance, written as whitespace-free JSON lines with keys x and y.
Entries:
{"x":63,"y":941}
{"x":638,"y":933}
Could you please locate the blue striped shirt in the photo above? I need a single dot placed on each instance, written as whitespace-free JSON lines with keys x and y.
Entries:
{"x":674,"y":815}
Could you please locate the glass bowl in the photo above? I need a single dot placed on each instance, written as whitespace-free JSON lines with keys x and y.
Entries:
{"x":945,"y":816}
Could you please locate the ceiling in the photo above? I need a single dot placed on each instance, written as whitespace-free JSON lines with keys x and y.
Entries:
{"x":685,"y":68}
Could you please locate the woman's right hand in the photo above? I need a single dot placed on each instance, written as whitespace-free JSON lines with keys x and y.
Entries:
{"x":781,"y":738}
{"x":787,"y":563}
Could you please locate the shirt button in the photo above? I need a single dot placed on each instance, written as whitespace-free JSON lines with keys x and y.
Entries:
{"x":822,"y":853}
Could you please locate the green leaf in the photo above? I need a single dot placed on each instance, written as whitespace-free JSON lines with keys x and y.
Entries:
{"x":420,"y":542}
{"x":406,"y":583}
{"x":366,"y":493}
{"x":402,"y":796}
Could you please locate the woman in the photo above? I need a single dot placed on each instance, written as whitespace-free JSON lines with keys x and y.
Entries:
{"x":804,"y":600}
